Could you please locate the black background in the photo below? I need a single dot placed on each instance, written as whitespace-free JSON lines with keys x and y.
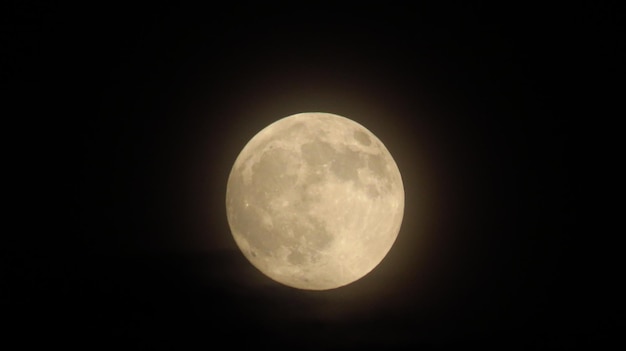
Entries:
{"x":131,"y":117}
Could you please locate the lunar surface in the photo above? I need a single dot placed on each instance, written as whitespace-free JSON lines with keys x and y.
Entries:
{"x":315,"y":201}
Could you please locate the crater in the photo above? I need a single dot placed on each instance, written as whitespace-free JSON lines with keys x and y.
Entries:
{"x":377,"y":164}
{"x":362,"y":137}
{"x":317,"y":237}
{"x":317,"y":153}
{"x":296,"y":258}
{"x":371,"y":191}
{"x":260,"y":239}
{"x":345,"y":166}
{"x":275,"y":171}
{"x":309,"y":239}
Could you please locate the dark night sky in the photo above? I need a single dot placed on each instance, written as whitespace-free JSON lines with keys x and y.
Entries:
{"x":134,"y":115}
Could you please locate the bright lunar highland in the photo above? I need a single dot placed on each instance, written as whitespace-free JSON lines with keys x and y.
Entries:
{"x":315,"y":201}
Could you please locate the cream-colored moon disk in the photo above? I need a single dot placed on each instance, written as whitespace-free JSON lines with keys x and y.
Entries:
{"x":315,"y":201}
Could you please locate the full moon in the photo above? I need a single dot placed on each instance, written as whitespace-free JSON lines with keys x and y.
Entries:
{"x":315,"y":201}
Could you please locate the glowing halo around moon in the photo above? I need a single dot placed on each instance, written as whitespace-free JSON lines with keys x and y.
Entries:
{"x":315,"y":201}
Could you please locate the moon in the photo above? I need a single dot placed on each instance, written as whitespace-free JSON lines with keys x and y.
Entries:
{"x":315,"y":201}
